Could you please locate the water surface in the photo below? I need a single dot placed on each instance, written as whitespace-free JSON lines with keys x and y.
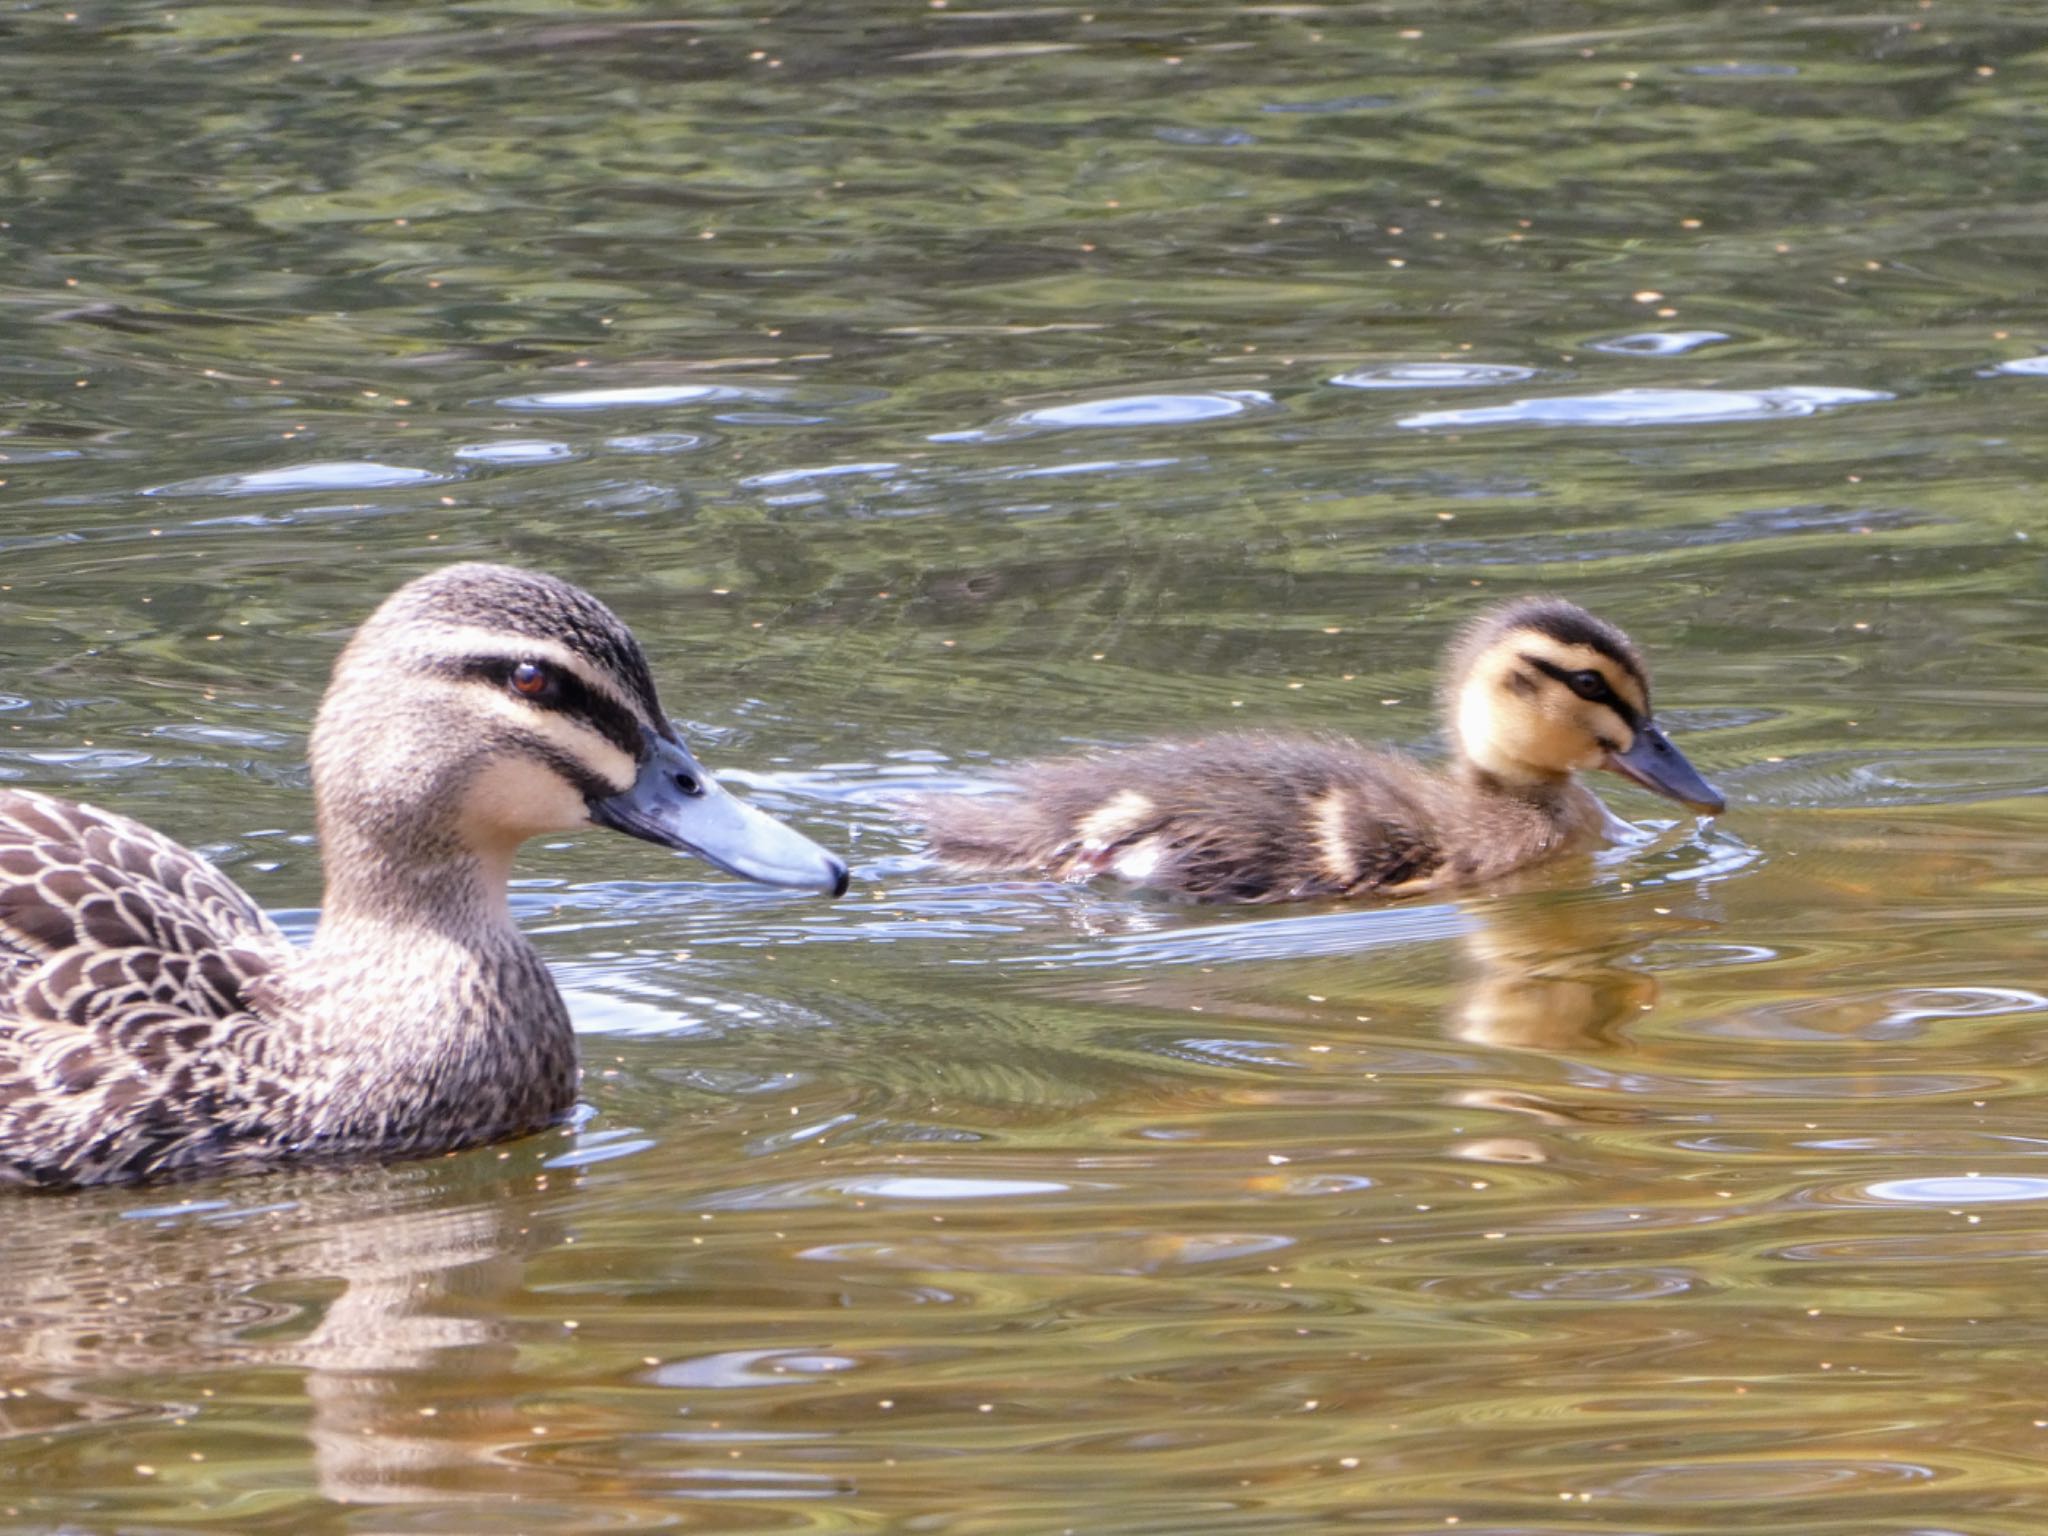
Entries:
{"x":937,"y":385}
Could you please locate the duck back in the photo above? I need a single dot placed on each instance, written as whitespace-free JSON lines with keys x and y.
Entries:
{"x":126,"y":962}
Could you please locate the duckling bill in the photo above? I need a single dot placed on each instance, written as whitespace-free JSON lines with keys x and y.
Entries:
{"x":155,"y":1023}
{"x":1535,"y":692}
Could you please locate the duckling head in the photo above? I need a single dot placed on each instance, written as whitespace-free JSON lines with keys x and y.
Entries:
{"x":482,"y":705}
{"x":1538,"y":689}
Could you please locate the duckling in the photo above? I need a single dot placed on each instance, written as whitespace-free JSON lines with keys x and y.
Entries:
{"x":155,"y":1023}
{"x":1534,"y":691}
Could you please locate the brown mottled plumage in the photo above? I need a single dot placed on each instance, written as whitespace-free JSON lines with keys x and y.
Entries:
{"x":1534,"y":691}
{"x":154,"y":1023}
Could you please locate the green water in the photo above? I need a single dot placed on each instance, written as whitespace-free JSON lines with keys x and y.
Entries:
{"x":937,"y":385}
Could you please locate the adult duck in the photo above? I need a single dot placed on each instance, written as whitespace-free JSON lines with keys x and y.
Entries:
{"x":155,"y":1023}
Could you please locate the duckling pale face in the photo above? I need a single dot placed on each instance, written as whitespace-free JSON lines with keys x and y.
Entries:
{"x":481,"y":706}
{"x":1541,"y":689}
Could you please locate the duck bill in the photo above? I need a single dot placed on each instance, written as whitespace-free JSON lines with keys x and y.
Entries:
{"x":1657,"y":765}
{"x":675,"y":803}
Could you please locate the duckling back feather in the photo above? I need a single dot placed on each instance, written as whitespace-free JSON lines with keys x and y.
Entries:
{"x":1243,"y":817}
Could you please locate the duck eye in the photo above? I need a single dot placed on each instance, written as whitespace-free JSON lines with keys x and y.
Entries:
{"x":530,"y":679}
{"x":1588,"y":684}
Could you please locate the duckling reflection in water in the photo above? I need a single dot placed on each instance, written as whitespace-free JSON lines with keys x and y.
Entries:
{"x":1552,"y":975}
{"x":1534,"y":691}
{"x":155,"y":1022}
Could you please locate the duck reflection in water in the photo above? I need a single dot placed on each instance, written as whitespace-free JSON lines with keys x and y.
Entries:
{"x":409,"y":1369}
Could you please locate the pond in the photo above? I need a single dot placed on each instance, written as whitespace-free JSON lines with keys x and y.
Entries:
{"x":938,"y":384}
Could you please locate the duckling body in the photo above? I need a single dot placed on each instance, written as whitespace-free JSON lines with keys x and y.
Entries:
{"x":1535,"y":691}
{"x":155,"y":1023}
{"x":1249,"y":817}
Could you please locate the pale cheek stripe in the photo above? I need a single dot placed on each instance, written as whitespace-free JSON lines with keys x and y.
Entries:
{"x":597,"y":754}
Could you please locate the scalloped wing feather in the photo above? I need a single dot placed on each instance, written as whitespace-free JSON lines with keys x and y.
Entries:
{"x":127,"y":964}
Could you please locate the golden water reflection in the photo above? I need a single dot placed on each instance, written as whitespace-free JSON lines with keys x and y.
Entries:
{"x":1583,"y":1207}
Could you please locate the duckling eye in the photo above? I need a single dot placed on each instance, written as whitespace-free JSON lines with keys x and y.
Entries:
{"x":530,"y":679}
{"x":1588,"y":684}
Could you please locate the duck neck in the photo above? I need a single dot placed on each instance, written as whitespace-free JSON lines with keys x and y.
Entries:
{"x":1557,"y":810}
{"x":1511,"y":782}
{"x":432,"y":1020}
{"x":375,"y":890}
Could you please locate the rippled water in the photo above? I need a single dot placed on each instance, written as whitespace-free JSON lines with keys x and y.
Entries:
{"x":933,"y":386}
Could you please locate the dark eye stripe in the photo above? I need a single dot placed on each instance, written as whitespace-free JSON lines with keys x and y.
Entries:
{"x":1604,"y":694}
{"x":567,"y":695}
{"x":611,"y":720}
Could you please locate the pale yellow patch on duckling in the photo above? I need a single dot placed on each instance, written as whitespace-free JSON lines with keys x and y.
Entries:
{"x":1332,"y":818}
{"x":1116,"y":818}
{"x":1139,"y":862}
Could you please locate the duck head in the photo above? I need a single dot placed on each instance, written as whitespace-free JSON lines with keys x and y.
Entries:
{"x":482,"y":705}
{"x":1538,"y":689}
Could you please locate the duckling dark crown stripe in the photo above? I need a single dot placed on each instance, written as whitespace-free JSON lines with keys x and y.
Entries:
{"x":1582,"y":629}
